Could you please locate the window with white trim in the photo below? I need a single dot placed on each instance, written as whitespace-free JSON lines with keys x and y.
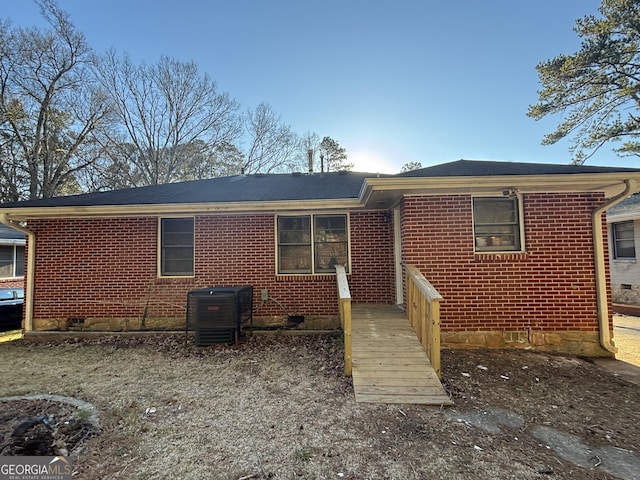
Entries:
{"x":624,"y":245}
{"x":11,"y":261}
{"x":314,"y":243}
{"x":176,"y":247}
{"x":496,"y":224}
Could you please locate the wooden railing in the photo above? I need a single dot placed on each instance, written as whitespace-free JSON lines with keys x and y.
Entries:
{"x":344,"y":305}
{"x":423,"y":309}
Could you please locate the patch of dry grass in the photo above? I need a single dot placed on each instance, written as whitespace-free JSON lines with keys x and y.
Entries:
{"x":10,"y":336}
{"x":279,"y":407}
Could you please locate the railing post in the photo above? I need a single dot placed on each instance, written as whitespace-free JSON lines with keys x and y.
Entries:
{"x":423,"y":309}
{"x":347,"y":337}
{"x":435,"y":335}
{"x":425,"y":325}
{"x":344,"y":307}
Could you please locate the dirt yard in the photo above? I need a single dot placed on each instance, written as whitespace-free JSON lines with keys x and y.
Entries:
{"x":279,"y":407}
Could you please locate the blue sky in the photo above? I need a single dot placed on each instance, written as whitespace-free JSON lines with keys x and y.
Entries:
{"x":392,"y":82}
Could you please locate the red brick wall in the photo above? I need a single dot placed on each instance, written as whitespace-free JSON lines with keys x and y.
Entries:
{"x":97,"y":268}
{"x":551,"y":287}
{"x":94,"y":268}
{"x":372,"y":280}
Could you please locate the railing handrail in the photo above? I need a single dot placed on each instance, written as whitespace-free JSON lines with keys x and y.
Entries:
{"x":422,"y":284}
{"x":343,"y":284}
{"x":344,"y":306}
{"x":424,"y":313}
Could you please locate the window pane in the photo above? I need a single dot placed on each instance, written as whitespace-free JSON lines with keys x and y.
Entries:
{"x":175,"y":227}
{"x":330,"y":242}
{"x":331,"y":228}
{"x":328,"y":255}
{"x":6,"y":261}
{"x":624,"y":231}
{"x":496,"y":236}
{"x":294,"y":230}
{"x":176,"y":246}
{"x":177,"y":239}
{"x":19,"y":261}
{"x":625,"y":249}
{"x":496,"y":226}
{"x":294,"y":249}
{"x":312,"y":243}
{"x":178,"y":266}
{"x":294,"y":259}
{"x":494,"y":210}
{"x":623,"y":238}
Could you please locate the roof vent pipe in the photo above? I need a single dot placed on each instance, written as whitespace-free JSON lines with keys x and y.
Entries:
{"x":310,"y":156}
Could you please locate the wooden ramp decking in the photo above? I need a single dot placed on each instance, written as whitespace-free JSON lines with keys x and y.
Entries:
{"x":389,"y":364}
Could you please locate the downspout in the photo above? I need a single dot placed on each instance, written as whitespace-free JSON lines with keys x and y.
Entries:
{"x":631,"y":186}
{"x":31,"y":267}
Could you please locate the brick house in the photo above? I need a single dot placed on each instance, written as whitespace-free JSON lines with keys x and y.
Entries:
{"x":517,"y":250}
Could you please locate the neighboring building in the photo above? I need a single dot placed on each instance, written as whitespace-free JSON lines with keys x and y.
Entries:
{"x":517,"y":250}
{"x":12,"y":244}
{"x":623,"y":221}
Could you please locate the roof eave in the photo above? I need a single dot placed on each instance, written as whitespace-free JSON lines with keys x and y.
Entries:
{"x":623,"y":216}
{"x":377,"y":192}
{"x":27,"y":213}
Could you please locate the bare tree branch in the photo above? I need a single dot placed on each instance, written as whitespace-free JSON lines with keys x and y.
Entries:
{"x":49,"y":107}
{"x":163,"y":108}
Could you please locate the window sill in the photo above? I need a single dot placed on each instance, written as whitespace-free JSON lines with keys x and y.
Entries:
{"x":509,"y":256}
{"x":175,"y":280}
{"x":304,"y":277}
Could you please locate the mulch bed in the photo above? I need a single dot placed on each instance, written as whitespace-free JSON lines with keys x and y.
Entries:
{"x":41,"y":427}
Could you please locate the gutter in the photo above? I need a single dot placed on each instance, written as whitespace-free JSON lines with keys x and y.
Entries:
{"x":31,"y":264}
{"x":136,"y":210}
{"x":631,"y":186}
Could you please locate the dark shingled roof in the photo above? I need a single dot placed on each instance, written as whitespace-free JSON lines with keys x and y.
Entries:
{"x":481,"y":168}
{"x":285,"y":187}
{"x":240,"y":188}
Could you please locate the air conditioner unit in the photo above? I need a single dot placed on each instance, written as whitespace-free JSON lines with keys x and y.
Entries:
{"x":217,"y":314}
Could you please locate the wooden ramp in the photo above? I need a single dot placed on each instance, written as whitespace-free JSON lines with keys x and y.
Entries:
{"x":389,"y":364}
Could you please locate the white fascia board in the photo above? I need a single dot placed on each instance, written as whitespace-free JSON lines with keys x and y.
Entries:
{"x":238,"y":208}
{"x":623,"y":217}
{"x":609,"y":183}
